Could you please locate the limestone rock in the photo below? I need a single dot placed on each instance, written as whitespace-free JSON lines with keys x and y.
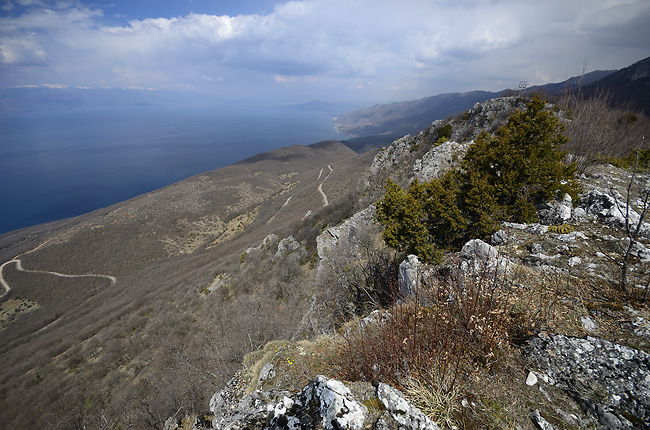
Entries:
{"x":478,"y":256}
{"x":531,"y":379}
{"x":539,"y":421}
{"x":499,"y":238}
{"x":267,"y":372}
{"x":583,"y":367}
{"x":408,"y":417}
{"x":409,"y":276}
{"x":338,"y":409}
{"x":439,"y":160}
{"x":588,"y":324}
{"x":477,"y":249}
{"x":329,"y":240}
{"x":324,"y":403}
{"x":612,"y":210}
{"x":287,"y":246}
{"x":556,"y":212}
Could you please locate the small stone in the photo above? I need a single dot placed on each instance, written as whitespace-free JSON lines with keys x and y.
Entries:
{"x":588,"y":324}
{"x":574,"y":261}
{"x":531,"y":379}
{"x":539,"y":421}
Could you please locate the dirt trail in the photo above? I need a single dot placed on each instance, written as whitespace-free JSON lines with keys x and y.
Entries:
{"x":19,"y":266}
{"x":320,"y":186}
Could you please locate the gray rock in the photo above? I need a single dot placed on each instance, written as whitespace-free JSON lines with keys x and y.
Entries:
{"x":610,"y":209}
{"x":409,"y":276}
{"x":588,"y":324}
{"x":608,"y":380}
{"x":324,"y":403}
{"x":575,"y":261}
{"x":478,"y":256}
{"x":556,"y":212}
{"x":476,"y":249}
{"x":539,"y":421}
{"x":287,"y":246}
{"x":571,"y":237}
{"x":499,"y":238}
{"x":331,"y":239}
{"x":439,"y":160}
{"x":267,"y":372}
{"x":338,"y":409}
{"x":408,"y":417}
{"x":531,"y":379}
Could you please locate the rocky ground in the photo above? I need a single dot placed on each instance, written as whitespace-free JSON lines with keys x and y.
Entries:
{"x":578,"y":358}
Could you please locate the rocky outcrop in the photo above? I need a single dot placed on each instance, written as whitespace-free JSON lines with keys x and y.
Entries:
{"x":609,"y":381}
{"x":344,"y":234}
{"x":409,"y":276}
{"x":324,"y":403}
{"x":287,"y":246}
{"x":439,"y":159}
{"x":556,"y":212}
{"x":611,"y":209}
{"x":481,"y":259}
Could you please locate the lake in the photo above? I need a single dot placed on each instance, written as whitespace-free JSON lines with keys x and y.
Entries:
{"x":63,"y":163}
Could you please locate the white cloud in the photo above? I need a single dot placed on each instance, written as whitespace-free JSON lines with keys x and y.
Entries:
{"x":383,"y":47}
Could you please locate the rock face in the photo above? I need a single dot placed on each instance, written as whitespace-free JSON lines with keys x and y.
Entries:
{"x":610,"y":381}
{"x":439,"y":160}
{"x":324,"y":403}
{"x":329,"y":240}
{"x":287,"y":246}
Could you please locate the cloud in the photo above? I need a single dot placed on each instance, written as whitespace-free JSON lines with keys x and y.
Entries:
{"x":380,"y":47}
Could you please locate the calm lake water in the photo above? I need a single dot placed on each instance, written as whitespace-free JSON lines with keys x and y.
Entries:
{"x":58,"y":164}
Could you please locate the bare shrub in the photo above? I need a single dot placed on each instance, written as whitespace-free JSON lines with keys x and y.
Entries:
{"x":596,"y":131}
{"x":358,"y":274}
{"x":633,"y":211}
{"x":434,"y":340}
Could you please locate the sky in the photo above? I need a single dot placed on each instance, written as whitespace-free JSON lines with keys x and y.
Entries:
{"x":330,"y":50}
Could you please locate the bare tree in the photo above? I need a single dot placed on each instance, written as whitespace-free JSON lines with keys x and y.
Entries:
{"x":637,"y":193}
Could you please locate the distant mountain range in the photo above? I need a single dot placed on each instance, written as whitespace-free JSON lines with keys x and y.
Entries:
{"x":630,"y":85}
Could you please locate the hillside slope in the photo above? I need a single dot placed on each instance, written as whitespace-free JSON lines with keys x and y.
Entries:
{"x":93,"y":347}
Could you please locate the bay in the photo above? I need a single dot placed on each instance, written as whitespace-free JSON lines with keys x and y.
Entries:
{"x":62,"y":163}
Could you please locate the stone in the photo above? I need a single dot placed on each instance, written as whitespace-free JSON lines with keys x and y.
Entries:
{"x":556,"y":212}
{"x":476,"y":249}
{"x":338,"y":409}
{"x":539,"y":421}
{"x":531,"y":379}
{"x":324,"y":403}
{"x":266,"y":373}
{"x":408,"y":417}
{"x":580,"y":366}
{"x":408,"y":277}
{"x":575,"y":261}
{"x":588,"y":324}
{"x":478,"y":256}
{"x":438,"y":160}
{"x":499,"y":238}
{"x":287,"y":246}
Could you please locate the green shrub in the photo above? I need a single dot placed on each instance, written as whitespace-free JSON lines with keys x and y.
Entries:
{"x":501,"y":178}
{"x":444,"y":134}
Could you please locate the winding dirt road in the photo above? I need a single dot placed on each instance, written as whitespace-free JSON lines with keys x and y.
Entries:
{"x":320,"y":186}
{"x":19,"y":266}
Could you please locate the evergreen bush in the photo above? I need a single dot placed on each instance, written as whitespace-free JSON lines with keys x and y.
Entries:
{"x":501,"y":178}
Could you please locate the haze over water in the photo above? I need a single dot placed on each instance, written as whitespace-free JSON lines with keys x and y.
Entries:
{"x":63,"y":163}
